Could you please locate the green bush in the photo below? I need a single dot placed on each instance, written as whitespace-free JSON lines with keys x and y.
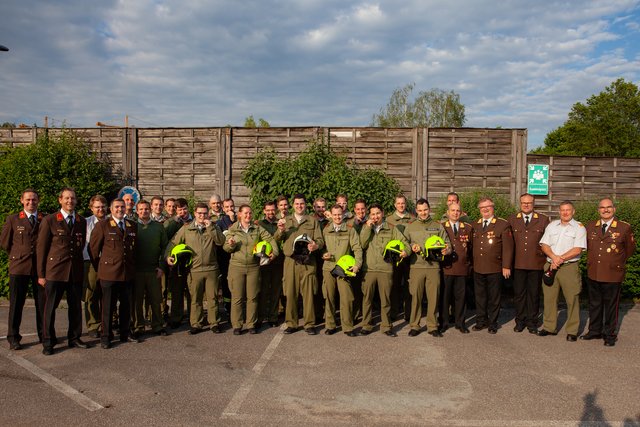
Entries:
{"x":628,"y":210}
{"x":47,"y":166}
{"x":469,"y":204}
{"x":316,"y":172}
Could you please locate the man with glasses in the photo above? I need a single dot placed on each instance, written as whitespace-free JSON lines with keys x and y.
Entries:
{"x":563,"y":241}
{"x":528,"y":227}
{"x":610,"y":244}
{"x":92,"y":291}
{"x":492,"y":259}
{"x":178,"y":284}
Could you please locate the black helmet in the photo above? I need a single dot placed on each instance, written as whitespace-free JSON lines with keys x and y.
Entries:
{"x":549,"y":276}
{"x":301,"y":253}
{"x":392,"y":252}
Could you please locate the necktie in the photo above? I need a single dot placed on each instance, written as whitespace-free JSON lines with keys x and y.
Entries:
{"x":455,"y":230}
{"x":486,"y":224}
{"x":526,"y":220}
{"x":121,"y":225}
{"x":70,"y":222}
{"x":32,"y":220}
{"x":604,"y":228}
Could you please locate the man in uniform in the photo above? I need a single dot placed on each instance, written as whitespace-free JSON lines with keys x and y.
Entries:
{"x":424,"y":274}
{"x":201,"y":236}
{"x":225,"y":221}
{"x":322,"y":216}
{"x":492,"y":259}
{"x":400,"y":295}
{"x":299,"y":275}
{"x":92,"y":290}
{"x":528,"y":227}
{"x":357,"y":221}
{"x":340,"y":239}
{"x":562,"y":242}
{"x":18,"y":238}
{"x":149,"y":255}
{"x":610,"y":244}
{"x":215,"y":208}
{"x":270,"y":274}
{"x":112,"y":251}
{"x":60,"y":269}
{"x":129,"y":207}
{"x":178,"y":284}
{"x":374,"y":237}
{"x":456,"y":268}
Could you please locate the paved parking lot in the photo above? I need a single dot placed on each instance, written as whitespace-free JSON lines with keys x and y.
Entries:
{"x":508,"y":379}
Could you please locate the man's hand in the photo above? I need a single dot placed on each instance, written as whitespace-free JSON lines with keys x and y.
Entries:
{"x":159,"y":273}
{"x":231,"y":242}
{"x":281,"y":223}
{"x":326,"y":256}
{"x":42,"y":281}
{"x":506,"y":273}
{"x":355,"y":269}
{"x":171,"y":261}
{"x":312,"y":246}
{"x":415,"y":248}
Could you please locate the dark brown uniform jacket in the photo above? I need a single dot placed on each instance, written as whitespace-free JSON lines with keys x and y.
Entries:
{"x":528,"y":252}
{"x":112,"y":252}
{"x":462,"y":245}
{"x":59,"y":250}
{"x":607,"y":254}
{"x":492,"y":249}
{"x":19,"y":239}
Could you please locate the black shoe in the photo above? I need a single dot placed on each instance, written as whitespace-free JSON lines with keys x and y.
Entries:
{"x":47,"y":351}
{"x":237,"y":331}
{"x":79,"y":344}
{"x":351,"y":334}
{"x":414,"y":333}
{"x":609,"y":342}
{"x":216,"y":329}
{"x":105,"y":345}
{"x":544,"y":333}
{"x":195,"y":331}
{"x":94,"y":334}
{"x":463,"y":330}
{"x":290,"y":330}
{"x":365,"y":331}
{"x":15,"y":346}
{"x":533,"y":331}
{"x":330,"y":331}
{"x":518,"y":328}
{"x":589,"y":337}
{"x":390,"y":333}
{"x":572,"y":338}
{"x":493,"y":330}
{"x":477,"y":327}
{"x":444,"y":328}
{"x":162,"y":332}
{"x":253,"y":331}
{"x":311,"y":331}
{"x":435,"y":333}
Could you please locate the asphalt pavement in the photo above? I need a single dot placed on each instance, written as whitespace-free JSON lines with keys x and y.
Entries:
{"x":477,"y":379}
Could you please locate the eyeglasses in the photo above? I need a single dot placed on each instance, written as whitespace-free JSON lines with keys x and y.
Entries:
{"x":605,"y":207}
{"x":201,"y":213}
{"x":485,"y":207}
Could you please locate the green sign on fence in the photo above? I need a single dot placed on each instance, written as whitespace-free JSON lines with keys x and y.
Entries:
{"x":538,"y":182}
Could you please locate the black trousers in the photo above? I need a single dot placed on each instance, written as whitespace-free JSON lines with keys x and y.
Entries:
{"x":113,"y":292}
{"x":453,"y":295}
{"x":53,"y":295}
{"x":526,"y":296}
{"x":488,"y":289}
{"x":18,"y":288}
{"x":400,"y":295}
{"x":603,"y":307}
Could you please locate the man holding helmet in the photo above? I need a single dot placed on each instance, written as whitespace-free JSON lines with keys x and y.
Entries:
{"x":340,"y":240}
{"x":375,"y":238}
{"x":429,"y":242}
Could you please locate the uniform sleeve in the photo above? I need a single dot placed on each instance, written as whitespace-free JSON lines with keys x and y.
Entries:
{"x":630,"y":243}
{"x":318,"y":237}
{"x":218,"y":236}
{"x":365,"y":236}
{"x":507,"y":246}
{"x":354,"y":241}
{"x":231,"y":234}
{"x":397,"y":235}
{"x":444,"y":235}
{"x":42,"y":248}
{"x":7,"y":235}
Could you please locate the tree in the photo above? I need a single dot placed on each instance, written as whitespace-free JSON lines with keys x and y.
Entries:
{"x":433,"y":108}
{"x":8,"y":125}
{"x":608,"y":125}
{"x":250,"y":122}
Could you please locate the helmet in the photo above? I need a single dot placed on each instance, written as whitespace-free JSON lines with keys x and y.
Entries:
{"x":434,"y":246}
{"x":343,"y":267}
{"x":301,"y":252}
{"x":183,"y":258}
{"x":549,"y":276}
{"x":392,"y":251}
{"x":263,"y":250}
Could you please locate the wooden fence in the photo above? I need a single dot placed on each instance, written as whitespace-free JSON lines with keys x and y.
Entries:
{"x":427,"y":162}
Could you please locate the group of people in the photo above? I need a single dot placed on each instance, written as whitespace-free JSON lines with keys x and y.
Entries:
{"x":125,"y":263}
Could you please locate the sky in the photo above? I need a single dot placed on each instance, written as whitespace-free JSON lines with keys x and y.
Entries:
{"x":515,"y":64}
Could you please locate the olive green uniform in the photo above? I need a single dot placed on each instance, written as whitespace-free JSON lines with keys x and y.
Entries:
{"x":378,"y":273}
{"x":400,"y":295}
{"x":177,"y":284}
{"x":244,"y":272}
{"x":299,"y":278}
{"x":424,"y":275}
{"x":152,"y":241}
{"x":338,"y":242}
{"x":204,"y":273}
{"x":270,"y":280}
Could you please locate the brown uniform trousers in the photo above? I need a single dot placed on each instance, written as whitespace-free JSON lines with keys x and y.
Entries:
{"x":456,"y":269}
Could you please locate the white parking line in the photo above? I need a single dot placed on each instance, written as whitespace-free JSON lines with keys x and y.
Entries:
{"x":63,"y":388}
{"x":4,"y":337}
{"x":238,"y":399}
